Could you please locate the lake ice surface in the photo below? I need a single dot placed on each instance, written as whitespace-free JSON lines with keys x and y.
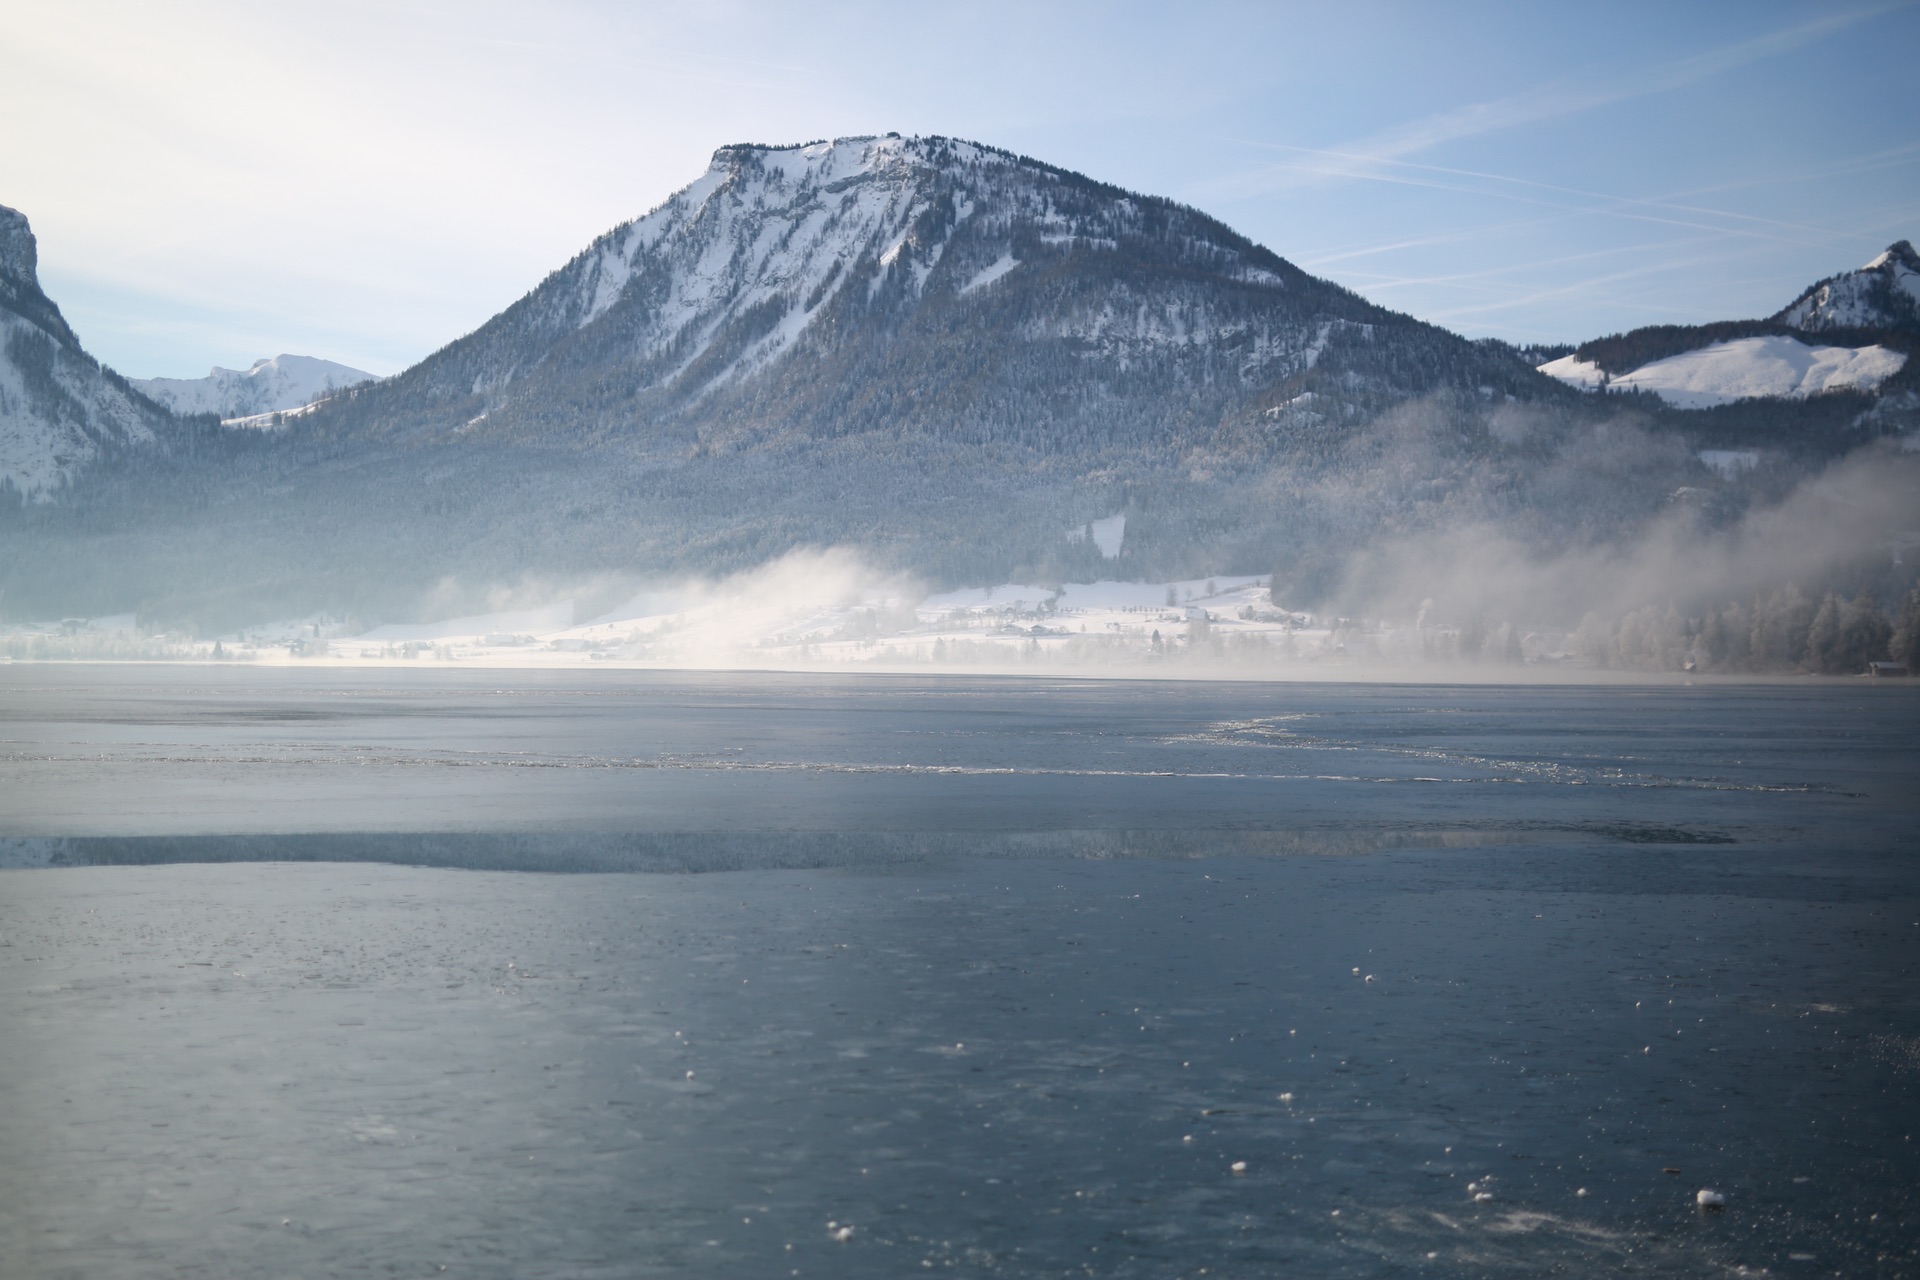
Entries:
{"x":1007,"y":976}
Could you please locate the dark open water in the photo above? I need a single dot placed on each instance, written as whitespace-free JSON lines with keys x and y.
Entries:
{"x":1008,"y":976}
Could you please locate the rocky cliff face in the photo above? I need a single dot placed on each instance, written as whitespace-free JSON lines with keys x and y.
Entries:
{"x":60,"y":409}
{"x":1884,"y":294}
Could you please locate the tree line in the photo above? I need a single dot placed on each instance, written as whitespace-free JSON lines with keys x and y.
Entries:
{"x":1778,"y":632}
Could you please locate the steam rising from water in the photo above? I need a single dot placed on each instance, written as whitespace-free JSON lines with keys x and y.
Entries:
{"x":1855,"y":521}
{"x":1475,"y":576}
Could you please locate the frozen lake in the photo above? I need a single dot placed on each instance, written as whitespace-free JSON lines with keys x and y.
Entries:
{"x":1008,"y":976}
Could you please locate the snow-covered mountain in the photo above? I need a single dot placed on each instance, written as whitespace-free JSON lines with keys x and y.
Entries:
{"x":923,"y":286}
{"x":270,"y":386}
{"x":951,"y":358}
{"x":60,"y":409}
{"x":1884,"y":294}
{"x":1874,"y":312}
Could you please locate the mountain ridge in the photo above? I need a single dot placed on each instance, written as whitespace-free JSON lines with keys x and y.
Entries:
{"x":61,"y":410}
{"x":782,"y":249}
{"x":272,"y":384}
{"x":945,"y":357}
{"x":1883,"y":294}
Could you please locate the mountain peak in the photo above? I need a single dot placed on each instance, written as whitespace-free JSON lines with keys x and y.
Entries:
{"x":19,"y":255}
{"x":856,"y":152}
{"x":59,"y":409}
{"x":1884,"y":294}
{"x":924,"y":289}
{"x":1900,"y":252}
{"x":272,"y":384}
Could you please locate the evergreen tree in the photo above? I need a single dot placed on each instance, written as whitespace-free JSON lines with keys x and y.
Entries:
{"x":1726,"y":639}
{"x":1781,"y":622}
{"x":1847,"y":634}
{"x":1824,"y":648}
{"x":1864,"y":634}
{"x":1905,"y":643}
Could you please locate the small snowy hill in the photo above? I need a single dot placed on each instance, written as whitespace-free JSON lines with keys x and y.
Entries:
{"x":270,"y":386}
{"x":1884,"y":294}
{"x":60,"y":409}
{"x":1742,"y":369}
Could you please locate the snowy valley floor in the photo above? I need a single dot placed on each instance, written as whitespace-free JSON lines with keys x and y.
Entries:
{"x":829,"y":614}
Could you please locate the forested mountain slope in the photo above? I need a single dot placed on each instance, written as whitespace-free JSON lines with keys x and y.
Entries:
{"x":922,"y":287}
{"x":60,"y":409}
{"x":946,"y":356}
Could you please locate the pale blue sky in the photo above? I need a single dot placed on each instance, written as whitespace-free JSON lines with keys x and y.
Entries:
{"x":215,"y":182}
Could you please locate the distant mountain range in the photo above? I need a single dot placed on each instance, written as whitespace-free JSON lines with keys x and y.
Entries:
{"x":952,"y":358}
{"x":270,"y":386}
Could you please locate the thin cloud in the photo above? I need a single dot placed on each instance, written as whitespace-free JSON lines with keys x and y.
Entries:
{"x":1873,"y":222}
{"x":1574,"y":288}
{"x":1508,"y":269}
{"x":1668,"y":202}
{"x":1629,"y":208}
{"x":1549,"y":102}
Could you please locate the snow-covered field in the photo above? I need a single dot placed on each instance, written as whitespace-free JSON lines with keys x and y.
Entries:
{"x":1742,"y":369}
{"x":822,"y":614}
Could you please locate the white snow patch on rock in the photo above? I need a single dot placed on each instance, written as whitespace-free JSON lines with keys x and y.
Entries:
{"x":1584,"y":374}
{"x":987,"y":275}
